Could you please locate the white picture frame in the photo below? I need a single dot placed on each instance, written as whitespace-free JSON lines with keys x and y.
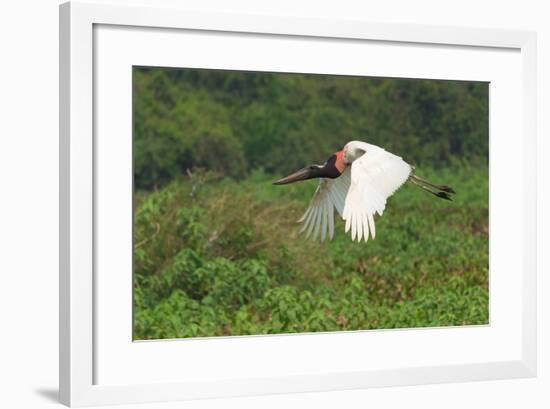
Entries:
{"x":80,"y":345}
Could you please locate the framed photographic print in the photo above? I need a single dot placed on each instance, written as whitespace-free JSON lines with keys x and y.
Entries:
{"x":255,"y":204}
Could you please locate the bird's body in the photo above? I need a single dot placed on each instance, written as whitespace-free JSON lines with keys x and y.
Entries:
{"x":356,"y":181}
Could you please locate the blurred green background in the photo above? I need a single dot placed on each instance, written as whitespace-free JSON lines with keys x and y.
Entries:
{"x":216,"y":246}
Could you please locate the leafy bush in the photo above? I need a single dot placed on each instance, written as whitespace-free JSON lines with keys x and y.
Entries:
{"x":227,"y":259}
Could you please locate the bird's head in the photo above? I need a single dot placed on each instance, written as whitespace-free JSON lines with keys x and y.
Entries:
{"x":332,"y":168}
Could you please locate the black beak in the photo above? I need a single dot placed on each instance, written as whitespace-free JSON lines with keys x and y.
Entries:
{"x":308,"y":172}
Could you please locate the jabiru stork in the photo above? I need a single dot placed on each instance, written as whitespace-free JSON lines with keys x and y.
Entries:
{"x":356,"y":181}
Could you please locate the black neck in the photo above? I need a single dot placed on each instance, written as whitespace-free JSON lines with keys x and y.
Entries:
{"x":329,"y":170}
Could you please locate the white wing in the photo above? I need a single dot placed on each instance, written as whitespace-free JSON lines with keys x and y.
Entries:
{"x":330,"y":194}
{"x":375,"y":176}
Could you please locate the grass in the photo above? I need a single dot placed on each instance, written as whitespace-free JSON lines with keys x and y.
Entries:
{"x":219,"y":257}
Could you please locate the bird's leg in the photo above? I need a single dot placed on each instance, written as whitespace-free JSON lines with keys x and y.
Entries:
{"x":442,"y":195}
{"x":443,"y":188}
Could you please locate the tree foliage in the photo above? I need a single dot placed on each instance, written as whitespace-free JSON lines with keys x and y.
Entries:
{"x":235,"y":122}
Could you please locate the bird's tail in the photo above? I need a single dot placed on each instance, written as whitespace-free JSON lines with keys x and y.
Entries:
{"x":441,"y":191}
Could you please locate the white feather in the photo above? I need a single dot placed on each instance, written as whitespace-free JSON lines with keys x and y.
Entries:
{"x":324,"y":221}
{"x":364,"y":218}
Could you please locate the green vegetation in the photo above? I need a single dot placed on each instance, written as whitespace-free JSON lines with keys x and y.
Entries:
{"x":226,"y":258}
{"x":217,"y":249}
{"x":235,"y":122}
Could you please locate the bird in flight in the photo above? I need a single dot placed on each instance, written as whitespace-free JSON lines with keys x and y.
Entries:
{"x":356,"y":181}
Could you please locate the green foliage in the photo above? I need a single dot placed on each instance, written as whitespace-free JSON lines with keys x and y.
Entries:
{"x":228,"y":260}
{"x":234,"y":122}
{"x":216,"y":246}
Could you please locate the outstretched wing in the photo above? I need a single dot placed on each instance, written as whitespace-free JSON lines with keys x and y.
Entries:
{"x":375,"y":176}
{"x":319,"y":217}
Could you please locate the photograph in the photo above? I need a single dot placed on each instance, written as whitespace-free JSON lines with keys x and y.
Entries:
{"x":280,"y":203}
